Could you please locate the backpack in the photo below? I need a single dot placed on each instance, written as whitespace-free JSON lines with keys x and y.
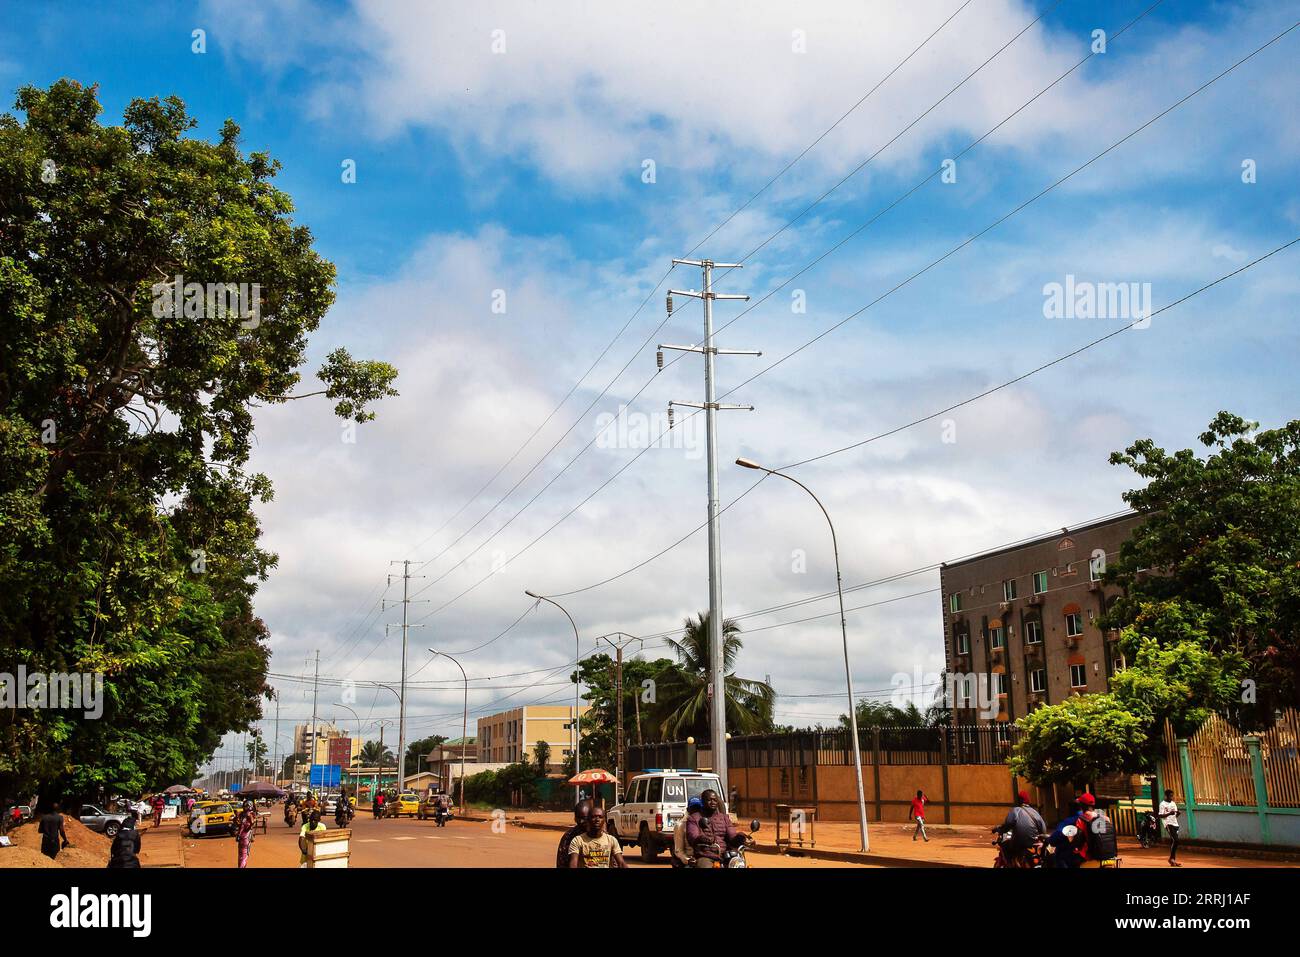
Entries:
{"x":1102,"y":843}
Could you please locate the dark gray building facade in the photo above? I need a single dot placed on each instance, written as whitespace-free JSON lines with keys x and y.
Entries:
{"x":1019,"y":622}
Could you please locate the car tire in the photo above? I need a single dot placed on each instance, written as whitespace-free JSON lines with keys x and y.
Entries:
{"x":111,"y":829}
{"x":649,"y":846}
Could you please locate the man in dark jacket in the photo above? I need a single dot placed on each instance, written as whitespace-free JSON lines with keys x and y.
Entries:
{"x":53,"y":837}
{"x":712,"y":832}
{"x":126,"y":845}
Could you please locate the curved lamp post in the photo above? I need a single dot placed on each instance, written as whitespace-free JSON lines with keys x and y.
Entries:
{"x":577,"y":687}
{"x":844,"y":634}
{"x":464,"y":724}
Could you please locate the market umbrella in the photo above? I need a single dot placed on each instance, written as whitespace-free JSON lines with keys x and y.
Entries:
{"x":179,"y":789}
{"x":260,"y":789}
{"x":594,"y":776}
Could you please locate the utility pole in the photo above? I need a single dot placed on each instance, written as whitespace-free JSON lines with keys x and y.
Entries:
{"x":311,"y":746}
{"x":619,"y":752}
{"x":275,"y":745}
{"x":717,"y":670}
{"x":401,"y":704}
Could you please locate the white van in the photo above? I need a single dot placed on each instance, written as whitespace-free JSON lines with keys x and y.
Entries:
{"x":652,"y":805}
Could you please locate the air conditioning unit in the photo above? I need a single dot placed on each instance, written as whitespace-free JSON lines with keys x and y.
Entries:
{"x":1036,"y":600}
{"x":1094,"y":586}
{"x":1004,"y":606}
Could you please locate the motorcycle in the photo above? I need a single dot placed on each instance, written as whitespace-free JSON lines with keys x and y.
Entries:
{"x":1148,"y":830}
{"x":290,"y":814}
{"x":343,"y":815}
{"x":1030,"y":858}
{"x":441,"y":816}
{"x":735,"y":856}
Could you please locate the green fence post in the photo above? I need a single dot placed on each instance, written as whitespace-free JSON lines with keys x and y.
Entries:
{"x":1189,"y":790}
{"x":1261,"y":787}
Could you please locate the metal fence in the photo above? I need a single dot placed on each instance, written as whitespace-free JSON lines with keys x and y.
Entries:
{"x":950,"y":744}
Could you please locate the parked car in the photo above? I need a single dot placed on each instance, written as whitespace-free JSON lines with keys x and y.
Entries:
{"x":107,"y":823}
{"x":653,"y":804}
{"x":24,"y":812}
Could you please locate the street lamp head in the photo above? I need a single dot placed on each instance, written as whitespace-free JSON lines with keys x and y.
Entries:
{"x":750,"y":464}
{"x":531,"y":594}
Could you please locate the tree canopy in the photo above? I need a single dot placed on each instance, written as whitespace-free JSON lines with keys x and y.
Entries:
{"x":128,"y":541}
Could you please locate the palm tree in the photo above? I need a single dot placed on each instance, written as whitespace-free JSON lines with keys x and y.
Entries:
{"x":682,"y":691}
{"x":370,"y":754}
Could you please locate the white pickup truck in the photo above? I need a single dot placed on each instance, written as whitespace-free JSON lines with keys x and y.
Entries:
{"x":654,"y":802}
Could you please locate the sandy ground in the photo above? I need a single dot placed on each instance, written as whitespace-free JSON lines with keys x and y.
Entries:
{"x":87,"y":849}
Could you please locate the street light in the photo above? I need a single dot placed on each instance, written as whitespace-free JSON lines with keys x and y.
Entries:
{"x":577,"y":689}
{"x":464,"y":724}
{"x":844,"y":634}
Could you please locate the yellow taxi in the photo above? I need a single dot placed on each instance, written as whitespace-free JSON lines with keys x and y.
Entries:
{"x":405,"y":803}
{"x":211,"y":817}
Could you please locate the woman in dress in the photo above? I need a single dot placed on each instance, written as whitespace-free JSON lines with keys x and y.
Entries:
{"x":244,"y":825}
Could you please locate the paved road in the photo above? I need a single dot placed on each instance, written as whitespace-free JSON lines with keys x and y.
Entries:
{"x":410,"y":843}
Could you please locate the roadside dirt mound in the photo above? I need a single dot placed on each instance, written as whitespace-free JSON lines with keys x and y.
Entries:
{"x":87,"y":849}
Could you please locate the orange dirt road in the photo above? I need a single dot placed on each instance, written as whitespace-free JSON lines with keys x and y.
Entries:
{"x":406,"y":842}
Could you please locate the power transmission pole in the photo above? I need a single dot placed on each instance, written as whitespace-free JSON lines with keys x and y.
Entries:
{"x":311,"y":747}
{"x":619,"y":752}
{"x":717,"y":669}
{"x":401,"y":703}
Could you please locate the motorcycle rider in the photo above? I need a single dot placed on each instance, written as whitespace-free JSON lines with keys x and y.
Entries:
{"x":1099,"y":834}
{"x":441,"y":808}
{"x":1067,"y":844}
{"x":712,"y":832}
{"x":343,"y":812}
{"x":1026,"y":826}
{"x":683,"y":853}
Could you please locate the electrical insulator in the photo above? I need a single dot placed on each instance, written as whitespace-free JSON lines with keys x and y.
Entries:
{"x":670,"y":417}
{"x":659,"y":359}
{"x":670,"y":304}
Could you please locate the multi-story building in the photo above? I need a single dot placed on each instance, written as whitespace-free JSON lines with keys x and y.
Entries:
{"x":1019,"y":622}
{"x":512,"y":736}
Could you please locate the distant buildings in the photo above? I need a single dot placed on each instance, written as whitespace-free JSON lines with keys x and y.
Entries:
{"x":512,"y":736}
{"x":1019,"y":622}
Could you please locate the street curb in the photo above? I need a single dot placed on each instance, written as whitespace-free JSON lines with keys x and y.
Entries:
{"x":852,"y":857}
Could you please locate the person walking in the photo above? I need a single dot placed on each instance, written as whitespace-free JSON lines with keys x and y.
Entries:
{"x":53,"y":837}
{"x":157,"y":803}
{"x":581,"y":811}
{"x":918,"y":811}
{"x":125,"y":852}
{"x":1169,"y":817}
{"x":596,"y":847}
{"x":244,"y":825}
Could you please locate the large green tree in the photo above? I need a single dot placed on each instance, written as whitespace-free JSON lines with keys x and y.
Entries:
{"x":128,"y":542}
{"x":1210,"y":611}
{"x":600,"y":724}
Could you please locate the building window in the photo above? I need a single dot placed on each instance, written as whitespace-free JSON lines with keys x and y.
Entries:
{"x":1117,"y":665}
{"x":963,"y":643}
{"x":954,"y":602}
{"x":1073,"y":625}
{"x":1009,"y":590}
{"x":1038,"y":680}
{"x":1002,"y":684}
{"x":1033,"y":632}
{"x":1040,"y":583}
{"x":1078,"y":676}
{"x":1095,"y":566}
{"x":997,"y":636}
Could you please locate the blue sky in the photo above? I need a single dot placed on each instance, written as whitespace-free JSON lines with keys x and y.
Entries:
{"x":521,"y":170}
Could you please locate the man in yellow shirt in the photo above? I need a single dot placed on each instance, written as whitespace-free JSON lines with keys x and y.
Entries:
{"x":596,"y":848}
